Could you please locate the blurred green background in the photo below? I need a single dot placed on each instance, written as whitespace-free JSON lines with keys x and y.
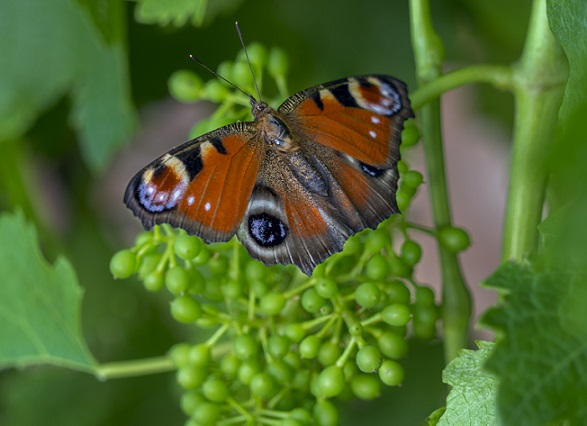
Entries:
{"x":79,"y":79}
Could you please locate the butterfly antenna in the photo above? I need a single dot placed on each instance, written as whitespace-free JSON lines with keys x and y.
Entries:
{"x":240,"y":36}
{"x":207,"y":68}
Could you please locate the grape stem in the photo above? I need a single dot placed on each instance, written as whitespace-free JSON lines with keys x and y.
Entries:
{"x":140,"y":367}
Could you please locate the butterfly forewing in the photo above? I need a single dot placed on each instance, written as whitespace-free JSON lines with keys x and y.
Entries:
{"x":203,"y":186}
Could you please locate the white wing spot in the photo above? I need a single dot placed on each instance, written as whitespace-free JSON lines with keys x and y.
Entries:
{"x":190,"y":200}
{"x":207,"y":206}
{"x":375,"y":120}
{"x":373,"y":134}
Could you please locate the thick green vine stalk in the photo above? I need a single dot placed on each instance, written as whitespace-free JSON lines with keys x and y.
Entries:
{"x":538,"y":78}
{"x":456,"y":300}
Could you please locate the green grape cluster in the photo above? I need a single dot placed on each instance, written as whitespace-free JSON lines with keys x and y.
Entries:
{"x":283,"y":346}
{"x":187,"y":86}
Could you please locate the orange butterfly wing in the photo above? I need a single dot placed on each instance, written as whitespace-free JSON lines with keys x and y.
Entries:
{"x":202,"y":186}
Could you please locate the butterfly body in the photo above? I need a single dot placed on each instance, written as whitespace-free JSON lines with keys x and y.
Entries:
{"x":294,"y":184}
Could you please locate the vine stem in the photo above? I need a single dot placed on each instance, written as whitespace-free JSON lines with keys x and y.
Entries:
{"x":539,"y":79}
{"x":141,"y":367}
{"x":428,"y":56}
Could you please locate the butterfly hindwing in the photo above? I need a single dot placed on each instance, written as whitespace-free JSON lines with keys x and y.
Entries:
{"x":202,"y":186}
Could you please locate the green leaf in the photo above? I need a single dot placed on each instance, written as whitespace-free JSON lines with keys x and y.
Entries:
{"x":180,"y":12}
{"x":541,"y":351}
{"x":471,"y":400}
{"x":40,"y":303}
{"x":568,"y":22}
{"x":174,"y":12}
{"x":57,"y":48}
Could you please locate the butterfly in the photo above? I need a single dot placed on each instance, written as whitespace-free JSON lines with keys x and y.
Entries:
{"x":295,"y":183}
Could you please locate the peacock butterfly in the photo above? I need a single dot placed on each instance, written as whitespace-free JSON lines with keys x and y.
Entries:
{"x":295,"y":183}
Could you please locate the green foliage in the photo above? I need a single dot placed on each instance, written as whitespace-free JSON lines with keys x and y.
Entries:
{"x":540,"y":357}
{"x":181,"y":12}
{"x":40,"y":303}
{"x":58,"y":48}
{"x":473,"y":394}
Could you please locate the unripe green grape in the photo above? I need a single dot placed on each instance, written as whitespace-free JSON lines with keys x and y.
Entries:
{"x":330,"y":381}
{"x":278,"y":63}
{"x":402,"y":167}
{"x":207,"y":413}
{"x":392,"y":345}
{"x":213,"y":289}
{"x":293,"y":360}
{"x":368,"y":359}
{"x":229,"y":365}
{"x":200,"y":355}
{"x":366,"y":386}
{"x":154,"y":281}
{"x":412,"y":178}
{"x":185,"y":309}
{"x":255,"y":271}
{"x":203,"y":256}
{"x":349,"y":370}
{"x":215,"y":91}
{"x":411,"y":252}
{"x":453,"y":239}
{"x":424,"y":324}
{"x":295,"y":332}
{"x":328,"y":353}
{"x":368,"y":295}
{"x":301,"y":414}
{"x":185,"y":86}
{"x":225,"y":70}
{"x":356,"y":329}
{"x":190,"y":377}
{"x":278,"y":346}
{"x":376,"y":240}
{"x":403,"y":199}
{"x":352,"y":246}
{"x":410,"y":134}
{"x":263,"y":385}
{"x":309,"y":347}
{"x":242,"y":75}
{"x":232,"y":289}
{"x":396,"y":315}
{"x":245,"y":347}
{"x":180,"y":354}
{"x":377,"y":268}
{"x":123,"y":264}
{"x":280,"y":371}
{"x":272,"y":303}
{"x":424,"y":296}
{"x":326,"y":288}
{"x":312,"y":301}
{"x":399,"y":268}
{"x":144,"y":238}
{"x":397,"y":292}
{"x":301,"y":379}
{"x":149,"y":264}
{"x":247,"y":370}
{"x":187,"y":247}
{"x":197,"y":282}
{"x":391,"y":373}
{"x":325,"y":413}
{"x":257,"y":54}
{"x":215,"y":390}
{"x":190,"y":400}
{"x":218,"y":265}
{"x":177,"y":280}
